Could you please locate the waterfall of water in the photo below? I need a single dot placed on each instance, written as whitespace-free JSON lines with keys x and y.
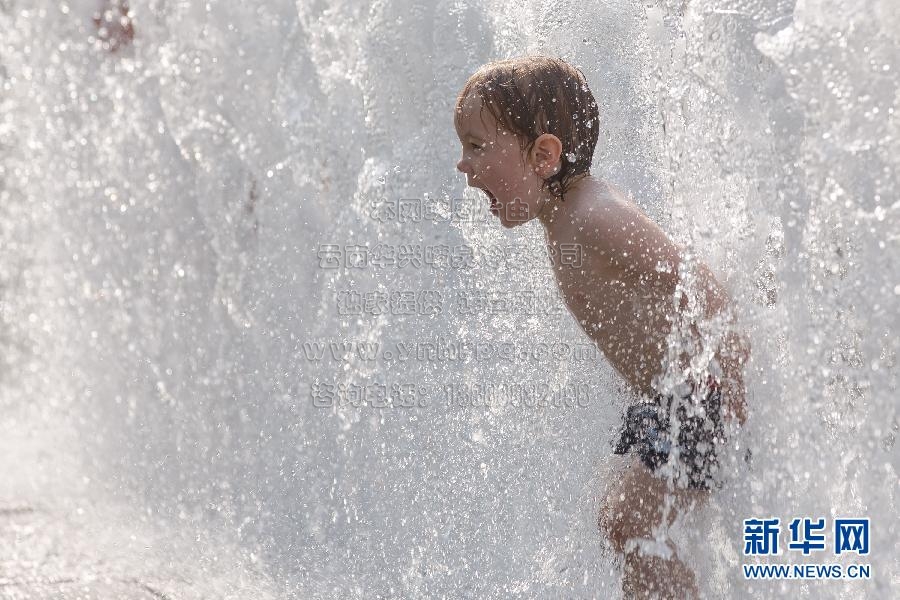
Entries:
{"x":240,"y":269}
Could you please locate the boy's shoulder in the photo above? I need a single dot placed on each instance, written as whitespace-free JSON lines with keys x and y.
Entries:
{"x":596,"y":214}
{"x":610,"y":226}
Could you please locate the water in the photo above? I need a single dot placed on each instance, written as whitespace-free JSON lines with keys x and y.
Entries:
{"x":165,"y":208}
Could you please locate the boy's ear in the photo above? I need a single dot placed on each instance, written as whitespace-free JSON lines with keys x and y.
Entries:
{"x":545,"y":155}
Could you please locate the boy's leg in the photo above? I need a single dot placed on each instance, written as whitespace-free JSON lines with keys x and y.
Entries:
{"x":636,"y":507}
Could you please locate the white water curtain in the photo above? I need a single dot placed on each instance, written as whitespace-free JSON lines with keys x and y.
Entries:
{"x":166,"y":209}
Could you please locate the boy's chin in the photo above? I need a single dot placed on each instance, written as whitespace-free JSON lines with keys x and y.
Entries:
{"x":507,"y":224}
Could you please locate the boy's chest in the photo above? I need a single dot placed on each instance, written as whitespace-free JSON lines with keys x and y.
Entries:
{"x":603,"y":302}
{"x":586,"y":287}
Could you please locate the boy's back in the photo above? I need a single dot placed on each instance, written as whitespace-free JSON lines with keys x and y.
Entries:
{"x":622,"y":287}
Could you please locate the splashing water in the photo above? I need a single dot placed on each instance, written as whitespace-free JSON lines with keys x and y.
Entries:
{"x":175,"y":187}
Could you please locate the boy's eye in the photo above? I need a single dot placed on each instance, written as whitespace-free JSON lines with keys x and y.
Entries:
{"x":475,"y":146}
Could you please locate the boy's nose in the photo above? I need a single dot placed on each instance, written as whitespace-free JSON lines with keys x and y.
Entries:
{"x":463,"y":166}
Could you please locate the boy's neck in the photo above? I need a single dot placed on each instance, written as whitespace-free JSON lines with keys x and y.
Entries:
{"x":553,"y":208}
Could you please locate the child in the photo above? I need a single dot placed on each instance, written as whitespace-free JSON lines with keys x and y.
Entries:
{"x":528,"y":128}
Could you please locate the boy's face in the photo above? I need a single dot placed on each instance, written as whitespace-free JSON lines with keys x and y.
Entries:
{"x":493,"y":161}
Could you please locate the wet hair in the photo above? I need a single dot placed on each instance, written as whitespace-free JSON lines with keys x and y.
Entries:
{"x":533,"y":95}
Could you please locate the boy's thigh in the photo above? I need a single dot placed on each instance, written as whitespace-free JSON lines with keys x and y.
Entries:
{"x":637,"y":501}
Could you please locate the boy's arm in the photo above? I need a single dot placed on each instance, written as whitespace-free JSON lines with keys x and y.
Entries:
{"x":641,"y":253}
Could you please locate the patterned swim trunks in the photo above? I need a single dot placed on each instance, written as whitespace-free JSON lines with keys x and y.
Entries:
{"x":648,"y":432}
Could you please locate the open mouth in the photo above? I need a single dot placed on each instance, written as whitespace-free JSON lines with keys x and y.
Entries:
{"x":495,"y":206}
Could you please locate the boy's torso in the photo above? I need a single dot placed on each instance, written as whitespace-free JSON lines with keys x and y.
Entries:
{"x":627,"y":317}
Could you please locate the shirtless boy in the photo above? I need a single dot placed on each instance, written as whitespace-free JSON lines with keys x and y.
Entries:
{"x":528,"y":128}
